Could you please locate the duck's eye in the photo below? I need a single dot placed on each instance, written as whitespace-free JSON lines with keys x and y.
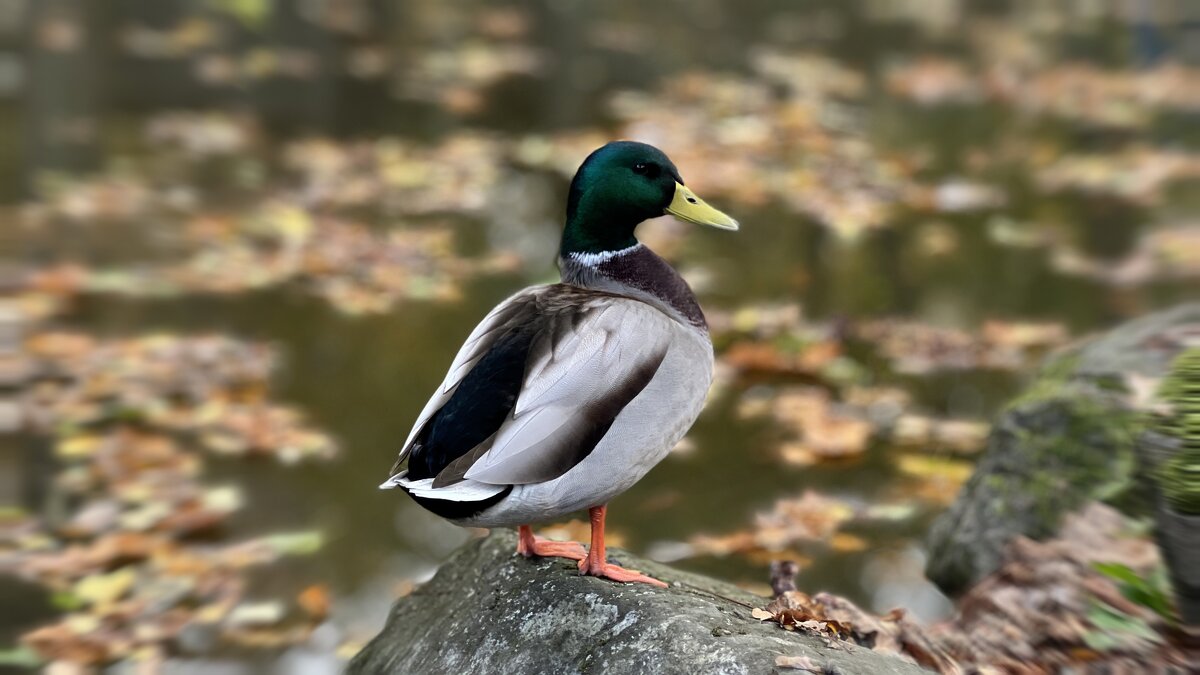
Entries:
{"x":646,"y":169}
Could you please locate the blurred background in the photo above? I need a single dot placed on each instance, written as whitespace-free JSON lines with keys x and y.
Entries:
{"x":248,"y":236}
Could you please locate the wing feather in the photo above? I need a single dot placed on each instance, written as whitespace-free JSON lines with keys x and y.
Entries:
{"x":592,"y":354}
{"x":514,"y":309}
{"x":563,"y":413}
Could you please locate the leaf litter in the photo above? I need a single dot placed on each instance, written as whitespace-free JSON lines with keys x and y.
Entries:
{"x":1052,"y":605}
{"x":134,"y":558}
{"x":834,"y":415}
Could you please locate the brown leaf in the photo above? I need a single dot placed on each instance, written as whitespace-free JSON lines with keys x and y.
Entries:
{"x":315,"y":601}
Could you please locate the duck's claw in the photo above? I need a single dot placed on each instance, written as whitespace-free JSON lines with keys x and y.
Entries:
{"x":606,"y":570}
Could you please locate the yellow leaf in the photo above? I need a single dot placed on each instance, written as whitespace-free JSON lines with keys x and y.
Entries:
{"x":78,"y":446}
{"x":104,"y":589}
{"x":847,"y":543}
{"x":945,"y":469}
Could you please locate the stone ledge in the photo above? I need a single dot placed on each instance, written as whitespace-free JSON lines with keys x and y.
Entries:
{"x":490,"y":611}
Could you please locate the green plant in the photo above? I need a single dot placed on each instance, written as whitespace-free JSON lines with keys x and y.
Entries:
{"x":1114,"y":629}
{"x":1152,"y":591}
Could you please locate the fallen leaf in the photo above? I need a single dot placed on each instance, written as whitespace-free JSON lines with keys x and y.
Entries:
{"x":295,"y":543}
{"x":104,"y":589}
{"x":315,"y":600}
{"x":246,"y":615}
{"x":848,"y":543}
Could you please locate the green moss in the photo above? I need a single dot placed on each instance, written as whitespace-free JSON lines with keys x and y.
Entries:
{"x":1092,"y":457}
{"x":1050,"y":380}
{"x":1181,"y":387}
{"x":1179,"y":477}
{"x":1077,"y":444}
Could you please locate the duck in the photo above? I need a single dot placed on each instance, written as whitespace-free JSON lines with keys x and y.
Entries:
{"x":567,"y":394}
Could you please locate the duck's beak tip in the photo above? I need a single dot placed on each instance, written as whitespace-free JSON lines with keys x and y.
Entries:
{"x":688,"y":207}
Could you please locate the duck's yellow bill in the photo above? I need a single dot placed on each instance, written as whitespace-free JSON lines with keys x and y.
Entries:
{"x":687,"y":206}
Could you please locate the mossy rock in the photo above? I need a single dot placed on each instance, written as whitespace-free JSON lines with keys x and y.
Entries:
{"x":1069,"y":438}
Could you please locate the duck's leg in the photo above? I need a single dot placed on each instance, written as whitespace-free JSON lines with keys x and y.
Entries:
{"x":596,"y":564}
{"x":532,"y":546}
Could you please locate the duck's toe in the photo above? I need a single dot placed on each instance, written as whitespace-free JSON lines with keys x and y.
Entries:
{"x":606,"y":570}
{"x":544,"y":548}
{"x":532,"y":546}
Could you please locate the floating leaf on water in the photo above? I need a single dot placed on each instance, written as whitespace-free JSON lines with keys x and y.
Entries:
{"x":315,"y":600}
{"x":958,"y":195}
{"x":78,"y":446}
{"x":266,"y":613}
{"x":917,"y":348}
{"x":224,"y":499}
{"x":295,"y":543}
{"x":959,"y":436}
{"x":818,"y":428}
{"x":888,"y":512}
{"x":797,"y":454}
{"x":19,"y":657}
{"x":104,"y":589}
{"x":66,"y":600}
{"x":146,"y":517}
{"x":944,"y":471}
{"x":934,"y":81}
{"x":809,"y":518}
{"x":848,"y":543}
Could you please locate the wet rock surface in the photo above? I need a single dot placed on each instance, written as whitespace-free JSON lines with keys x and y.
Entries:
{"x":490,"y":611}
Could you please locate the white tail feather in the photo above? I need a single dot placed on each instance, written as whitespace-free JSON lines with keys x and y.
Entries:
{"x":463,"y":491}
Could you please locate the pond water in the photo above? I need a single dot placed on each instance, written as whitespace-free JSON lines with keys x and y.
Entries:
{"x":364,"y":378}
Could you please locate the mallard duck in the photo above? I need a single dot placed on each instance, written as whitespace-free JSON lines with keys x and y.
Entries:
{"x":566,"y":394}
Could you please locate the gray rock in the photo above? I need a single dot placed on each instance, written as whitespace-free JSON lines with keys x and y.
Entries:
{"x":490,"y":611}
{"x":1069,"y":438}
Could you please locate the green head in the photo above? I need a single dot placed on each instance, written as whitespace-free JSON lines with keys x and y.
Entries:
{"x":620,"y":185}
